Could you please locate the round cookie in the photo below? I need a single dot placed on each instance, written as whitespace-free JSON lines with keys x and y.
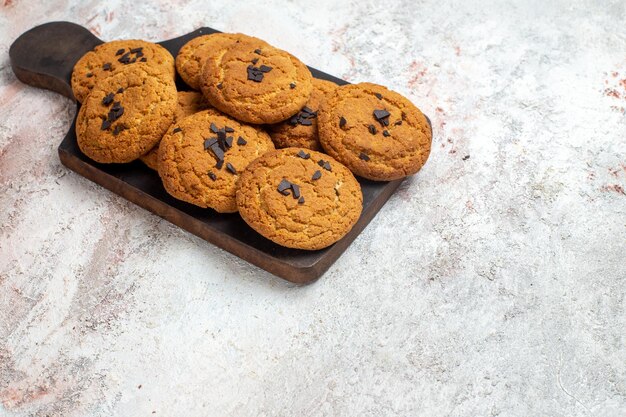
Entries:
{"x":377,"y":133}
{"x":189,"y":102}
{"x":202,"y":156}
{"x":126,"y":114}
{"x":192,"y":55}
{"x":300,"y":130}
{"x":299,"y":198}
{"x":108,"y":57}
{"x":255,"y":84}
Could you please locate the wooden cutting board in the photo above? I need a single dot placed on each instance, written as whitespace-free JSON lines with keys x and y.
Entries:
{"x":44,"y":57}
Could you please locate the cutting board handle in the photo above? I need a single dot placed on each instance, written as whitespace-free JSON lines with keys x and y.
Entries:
{"x":45,"y":55}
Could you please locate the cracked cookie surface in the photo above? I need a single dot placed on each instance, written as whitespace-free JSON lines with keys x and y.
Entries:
{"x":300,"y":130}
{"x":299,"y":198}
{"x":126,"y":114}
{"x":193,"y":54}
{"x":189,"y":156}
{"x":377,"y":133}
{"x":189,"y":102}
{"x":107,"y":58}
{"x":255,"y":84}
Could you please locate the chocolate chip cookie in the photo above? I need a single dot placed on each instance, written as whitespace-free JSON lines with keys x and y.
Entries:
{"x":376,"y":132}
{"x":126,"y":114}
{"x":255,"y":83}
{"x":194,"y":53}
{"x":202,"y":156}
{"x":300,"y":130}
{"x":108,"y":57}
{"x":189,"y":102}
{"x":299,"y":198}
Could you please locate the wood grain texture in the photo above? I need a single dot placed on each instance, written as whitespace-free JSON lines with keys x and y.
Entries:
{"x":44,"y":57}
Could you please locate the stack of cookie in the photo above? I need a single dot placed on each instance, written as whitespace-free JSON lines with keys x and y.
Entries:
{"x":215,"y":147}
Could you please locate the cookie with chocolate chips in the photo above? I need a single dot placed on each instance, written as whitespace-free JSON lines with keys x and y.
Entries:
{"x":194,"y":53}
{"x":189,"y":102}
{"x":299,"y":198}
{"x":108,"y":57}
{"x":300,"y":130}
{"x":126,"y":114}
{"x":202,"y":156}
{"x":376,"y":132}
{"x":255,"y":83}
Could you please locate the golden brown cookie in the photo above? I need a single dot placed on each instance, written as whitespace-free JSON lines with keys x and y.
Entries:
{"x":376,"y":132}
{"x":189,"y":102}
{"x":192,"y":55}
{"x":300,"y":130}
{"x":126,"y":114}
{"x":255,"y":84}
{"x":202,"y":156}
{"x":299,"y":198}
{"x":108,"y":57}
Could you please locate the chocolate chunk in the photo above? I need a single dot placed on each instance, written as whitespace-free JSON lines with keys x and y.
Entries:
{"x":382,"y":116}
{"x":364,"y":156}
{"x":136,"y":50}
{"x":214,"y":128}
{"x":125,"y":59}
{"x":398,"y":123}
{"x":176,"y":130}
{"x":295,"y":190}
{"x":386,"y":133}
{"x":212,"y":175}
{"x":301,"y":200}
{"x":306,"y":122}
{"x":108,"y":99}
{"x":219,"y":86}
{"x":378,"y":96}
{"x":120,"y":51}
{"x":241,"y":141}
{"x":372,"y":129}
{"x":143,"y":59}
{"x":231,"y":168}
{"x":303,"y":154}
{"x":106,"y":67}
{"x":117,"y":129}
{"x":284,"y":187}
{"x":229,"y":142}
{"x":228,"y":129}
{"x":255,"y":60}
{"x":292,"y":85}
{"x":324,"y":164}
{"x":218,"y":152}
{"x":257,"y":51}
{"x":105,"y":124}
{"x":209,"y":142}
{"x":89,"y":75}
{"x":119,"y":90}
{"x":316,"y":175}
{"x":342,"y":122}
{"x":139,"y":54}
{"x":254,"y":74}
{"x":265,"y":68}
{"x":219,"y":164}
{"x":466,"y":157}
{"x":307,"y":110}
{"x":132,"y":61}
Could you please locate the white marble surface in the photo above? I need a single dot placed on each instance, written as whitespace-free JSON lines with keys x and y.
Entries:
{"x":487,"y":286}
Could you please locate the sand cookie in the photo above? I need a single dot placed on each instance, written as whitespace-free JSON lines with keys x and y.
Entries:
{"x":202,"y":156}
{"x":126,"y":114}
{"x":189,"y":102}
{"x":194,"y":53}
{"x":300,"y":130}
{"x":108,"y":57}
{"x":299,"y":198}
{"x":376,"y":132}
{"x":255,"y":84}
